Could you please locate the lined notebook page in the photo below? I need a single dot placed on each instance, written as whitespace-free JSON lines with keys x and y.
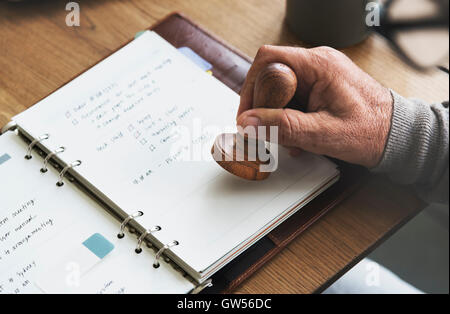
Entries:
{"x":41,"y":225}
{"x":143,"y":122}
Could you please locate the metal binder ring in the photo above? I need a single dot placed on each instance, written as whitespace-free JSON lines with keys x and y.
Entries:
{"x":161,"y":251}
{"x":125,"y":222}
{"x":138,"y":249}
{"x":50,"y":156}
{"x":33,"y":143}
{"x":66,"y":168}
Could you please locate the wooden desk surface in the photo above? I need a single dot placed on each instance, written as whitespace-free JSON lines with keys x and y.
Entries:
{"x":38,"y":53}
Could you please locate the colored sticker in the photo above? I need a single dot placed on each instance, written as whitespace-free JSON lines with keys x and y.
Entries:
{"x":98,"y":245}
{"x":68,"y":270}
{"x":4,"y":158}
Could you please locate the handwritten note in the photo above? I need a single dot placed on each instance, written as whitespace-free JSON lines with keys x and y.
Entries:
{"x":41,"y":224}
{"x":21,"y":226}
{"x":144,"y":110}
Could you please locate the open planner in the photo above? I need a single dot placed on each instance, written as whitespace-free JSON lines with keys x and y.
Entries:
{"x":126,"y":145}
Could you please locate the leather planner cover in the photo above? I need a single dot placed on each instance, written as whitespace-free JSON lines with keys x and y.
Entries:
{"x":230,"y":66}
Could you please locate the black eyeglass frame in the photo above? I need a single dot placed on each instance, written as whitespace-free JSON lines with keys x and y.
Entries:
{"x":389,"y":28}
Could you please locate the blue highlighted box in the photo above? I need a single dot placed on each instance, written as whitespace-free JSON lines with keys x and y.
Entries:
{"x":194,"y":57}
{"x":98,"y":245}
{"x":4,"y":158}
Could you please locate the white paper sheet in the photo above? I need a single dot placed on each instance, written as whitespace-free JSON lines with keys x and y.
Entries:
{"x":41,"y":223}
{"x":130,"y":119}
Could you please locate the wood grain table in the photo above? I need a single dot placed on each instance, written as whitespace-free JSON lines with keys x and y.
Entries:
{"x":38,"y":53}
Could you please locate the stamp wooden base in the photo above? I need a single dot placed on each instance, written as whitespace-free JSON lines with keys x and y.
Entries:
{"x":236,"y":159}
{"x":275,"y":86}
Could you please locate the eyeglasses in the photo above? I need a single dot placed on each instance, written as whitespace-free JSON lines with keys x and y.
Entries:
{"x":418,"y":30}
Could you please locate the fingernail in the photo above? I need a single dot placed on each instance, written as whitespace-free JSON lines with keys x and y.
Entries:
{"x":251,"y":121}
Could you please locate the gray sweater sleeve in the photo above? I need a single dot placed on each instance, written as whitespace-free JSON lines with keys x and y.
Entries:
{"x":416,"y":151}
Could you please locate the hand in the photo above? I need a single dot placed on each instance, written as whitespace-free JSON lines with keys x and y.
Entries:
{"x":348,"y":112}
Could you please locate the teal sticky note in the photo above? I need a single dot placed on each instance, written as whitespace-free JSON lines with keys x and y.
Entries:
{"x":139,"y":34}
{"x":4,"y":158}
{"x":98,"y":245}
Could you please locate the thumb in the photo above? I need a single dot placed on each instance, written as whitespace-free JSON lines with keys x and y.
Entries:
{"x":295,"y":128}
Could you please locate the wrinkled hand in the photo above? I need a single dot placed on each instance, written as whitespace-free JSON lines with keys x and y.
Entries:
{"x":348,"y":112}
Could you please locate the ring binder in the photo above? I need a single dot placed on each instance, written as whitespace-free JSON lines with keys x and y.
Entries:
{"x":125,"y":222}
{"x":34,"y":142}
{"x":49,"y":156}
{"x":10,"y":126}
{"x":66,"y":168}
{"x":161,"y":251}
{"x":208,"y":283}
{"x":138,"y":249}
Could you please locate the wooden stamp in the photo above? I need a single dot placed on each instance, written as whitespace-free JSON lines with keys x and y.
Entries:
{"x":275,"y":86}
